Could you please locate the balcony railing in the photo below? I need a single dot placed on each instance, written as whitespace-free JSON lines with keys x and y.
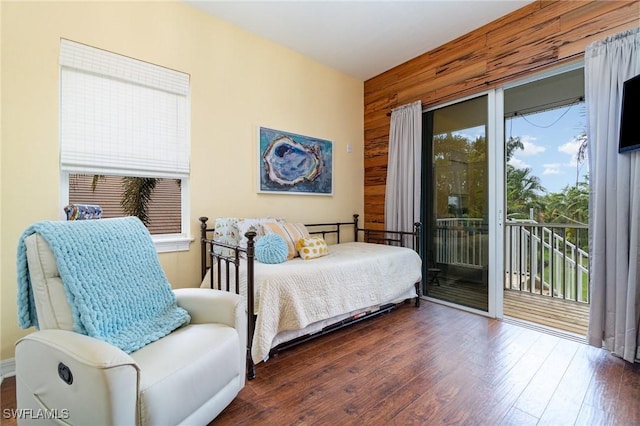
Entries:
{"x":461,"y":242}
{"x":544,"y":259}
{"x":547,"y":259}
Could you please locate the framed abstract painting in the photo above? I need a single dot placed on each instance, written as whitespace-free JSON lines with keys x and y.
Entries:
{"x":289,"y":163}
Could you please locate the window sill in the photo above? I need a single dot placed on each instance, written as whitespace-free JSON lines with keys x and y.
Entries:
{"x":171,"y":242}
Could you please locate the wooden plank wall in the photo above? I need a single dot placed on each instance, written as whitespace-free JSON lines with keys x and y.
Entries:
{"x":537,"y":36}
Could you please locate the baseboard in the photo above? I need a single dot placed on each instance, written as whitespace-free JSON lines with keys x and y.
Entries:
{"x":7,"y":367}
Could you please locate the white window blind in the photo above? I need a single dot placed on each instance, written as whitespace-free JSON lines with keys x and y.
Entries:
{"x":121,"y":116}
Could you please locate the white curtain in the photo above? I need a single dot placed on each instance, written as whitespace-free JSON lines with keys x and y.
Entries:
{"x":402,"y":194}
{"x":614,"y":232}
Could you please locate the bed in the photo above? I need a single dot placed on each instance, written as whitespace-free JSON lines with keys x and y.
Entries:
{"x":299,"y":299}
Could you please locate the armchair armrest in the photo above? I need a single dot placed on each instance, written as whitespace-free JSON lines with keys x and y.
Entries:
{"x":212,"y":306}
{"x":100,"y":379}
{"x":207,"y":305}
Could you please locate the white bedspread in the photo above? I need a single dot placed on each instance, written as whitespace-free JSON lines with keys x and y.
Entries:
{"x":354,"y":276}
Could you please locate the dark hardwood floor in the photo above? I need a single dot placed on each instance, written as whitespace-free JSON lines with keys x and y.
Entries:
{"x":8,"y":401}
{"x":435,"y":365}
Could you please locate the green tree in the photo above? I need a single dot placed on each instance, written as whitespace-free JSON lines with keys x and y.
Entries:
{"x":136,"y":195}
{"x":460,"y":171}
{"x":448,"y":173}
{"x":477,"y":177}
{"x":512,"y":145}
{"x":569,"y":206}
{"x":524,"y":190}
{"x":581,"y":156}
{"x":578,"y":202}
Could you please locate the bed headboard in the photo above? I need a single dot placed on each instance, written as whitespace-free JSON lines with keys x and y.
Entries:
{"x":334,"y":230}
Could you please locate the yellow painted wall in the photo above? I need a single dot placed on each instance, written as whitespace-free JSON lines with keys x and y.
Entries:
{"x":238,"y":82}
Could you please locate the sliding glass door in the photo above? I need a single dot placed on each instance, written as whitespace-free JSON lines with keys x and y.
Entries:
{"x":456,"y":203}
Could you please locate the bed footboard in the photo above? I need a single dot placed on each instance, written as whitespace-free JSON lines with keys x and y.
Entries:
{"x":224,"y":274}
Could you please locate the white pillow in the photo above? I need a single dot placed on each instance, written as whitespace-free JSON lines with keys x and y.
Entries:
{"x":252,"y":224}
{"x":226,"y":231}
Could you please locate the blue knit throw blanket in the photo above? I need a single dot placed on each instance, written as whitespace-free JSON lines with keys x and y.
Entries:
{"x":114,"y":282}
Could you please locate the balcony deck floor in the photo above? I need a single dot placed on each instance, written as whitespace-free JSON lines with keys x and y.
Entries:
{"x":560,"y":314}
{"x":465,"y":293}
{"x":556,"y":313}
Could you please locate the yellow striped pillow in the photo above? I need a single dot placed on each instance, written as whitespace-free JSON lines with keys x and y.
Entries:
{"x":290,"y":232}
{"x":310,"y":248}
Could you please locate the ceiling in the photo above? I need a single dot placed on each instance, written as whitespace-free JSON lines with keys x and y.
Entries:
{"x":360,"y":38}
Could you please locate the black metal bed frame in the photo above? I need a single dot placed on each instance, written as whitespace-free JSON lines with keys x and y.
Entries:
{"x":209,"y":257}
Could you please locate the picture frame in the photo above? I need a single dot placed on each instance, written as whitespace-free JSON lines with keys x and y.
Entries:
{"x":290,"y":163}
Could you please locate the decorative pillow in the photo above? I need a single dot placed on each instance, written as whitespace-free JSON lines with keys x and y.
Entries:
{"x":312,"y":247}
{"x":252,"y":224}
{"x":271,"y":249}
{"x":83,"y":211}
{"x":290,"y":232}
{"x":226,"y":231}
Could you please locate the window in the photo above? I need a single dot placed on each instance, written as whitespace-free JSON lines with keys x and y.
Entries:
{"x":124,"y":139}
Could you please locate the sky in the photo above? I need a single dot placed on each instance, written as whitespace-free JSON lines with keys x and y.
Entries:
{"x":550,"y":145}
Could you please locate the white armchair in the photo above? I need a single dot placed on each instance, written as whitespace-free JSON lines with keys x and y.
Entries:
{"x":187,"y":377}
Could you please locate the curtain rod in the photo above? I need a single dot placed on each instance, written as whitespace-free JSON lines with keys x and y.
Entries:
{"x":516,"y":74}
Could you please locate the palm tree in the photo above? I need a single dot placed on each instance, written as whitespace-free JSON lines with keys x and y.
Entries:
{"x":571,"y":204}
{"x":582,"y":153}
{"x":136,"y":195}
{"x":512,"y":145}
{"x":524,"y":191}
